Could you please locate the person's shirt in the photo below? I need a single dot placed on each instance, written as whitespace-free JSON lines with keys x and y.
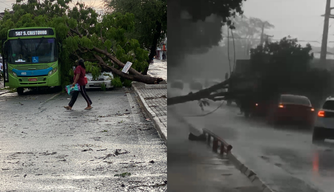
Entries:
{"x":1,"y":67}
{"x":80,"y":70}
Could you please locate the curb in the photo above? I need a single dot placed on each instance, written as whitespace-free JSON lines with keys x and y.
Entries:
{"x":157,"y":124}
{"x":250,"y":174}
{"x":156,"y":86}
{"x":2,"y":93}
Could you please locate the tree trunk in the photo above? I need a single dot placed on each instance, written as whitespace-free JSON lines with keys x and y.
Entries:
{"x":133,"y":74}
{"x":133,"y":77}
{"x":202,"y":94}
{"x":156,"y":37}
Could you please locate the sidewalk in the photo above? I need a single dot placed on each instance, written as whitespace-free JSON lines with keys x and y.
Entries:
{"x":153,"y":99}
{"x":2,"y":91}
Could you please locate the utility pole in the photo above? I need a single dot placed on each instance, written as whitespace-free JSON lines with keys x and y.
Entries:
{"x":234,"y":57}
{"x":262,"y":33}
{"x":228,"y":49}
{"x":325,"y":32}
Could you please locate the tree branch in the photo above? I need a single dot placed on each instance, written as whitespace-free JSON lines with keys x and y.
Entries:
{"x":202,"y":94}
{"x":87,"y":32}
{"x":115,"y":60}
{"x":101,"y":36}
{"x":141,"y":78}
{"x":114,"y":70}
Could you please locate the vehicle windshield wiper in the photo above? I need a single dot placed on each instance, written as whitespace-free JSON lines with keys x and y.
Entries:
{"x":40,"y":42}
{"x":22,"y":45}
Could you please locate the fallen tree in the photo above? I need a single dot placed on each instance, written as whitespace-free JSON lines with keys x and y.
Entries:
{"x":101,"y":40}
{"x":284,"y":64}
{"x":208,"y":93}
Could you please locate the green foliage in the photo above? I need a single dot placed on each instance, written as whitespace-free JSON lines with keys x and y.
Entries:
{"x":93,"y":68}
{"x":116,"y":82}
{"x":285,"y":67}
{"x":103,"y":87}
{"x":127,"y":83}
{"x":79,"y":31}
{"x":285,"y":57}
{"x":220,"y":12}
{"x":146,"y":14}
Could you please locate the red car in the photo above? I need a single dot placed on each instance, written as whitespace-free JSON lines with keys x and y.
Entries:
{"x":291,"y":108}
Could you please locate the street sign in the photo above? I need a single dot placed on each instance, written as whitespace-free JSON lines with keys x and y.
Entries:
{"x":31,"y":32}
{"x":126,"y":67}
{"x":35,"y":59}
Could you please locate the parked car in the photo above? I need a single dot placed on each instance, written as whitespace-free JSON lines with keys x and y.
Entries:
{"x":178,"y":84}
{"x":97,"y":83}
{"x":175,"y":88}
{"x":195,"y":85}
{"x":324,"y":122}
{"x":291,"y":108}
{"x":212,"y":82}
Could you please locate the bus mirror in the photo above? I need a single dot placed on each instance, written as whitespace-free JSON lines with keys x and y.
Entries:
{"x":5,"y":49}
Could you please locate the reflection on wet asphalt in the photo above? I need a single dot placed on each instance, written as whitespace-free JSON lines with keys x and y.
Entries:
{"x":284,"y":156}
{"x":193,"y":167}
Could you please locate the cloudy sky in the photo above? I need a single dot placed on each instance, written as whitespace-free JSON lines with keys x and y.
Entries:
{"x":298,"y":18}
{"x":7,"y":4}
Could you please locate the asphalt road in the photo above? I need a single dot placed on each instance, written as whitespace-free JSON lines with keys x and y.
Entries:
{"x":43,"y":147}
{"x":193,"y":167}
{"x":284,"y":157}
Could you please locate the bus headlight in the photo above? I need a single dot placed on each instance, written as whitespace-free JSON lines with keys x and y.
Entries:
{"x":53,"y":71}
{"x":14,"y":74}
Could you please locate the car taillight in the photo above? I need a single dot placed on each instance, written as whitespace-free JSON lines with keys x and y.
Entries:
{"x":312,"y":109}
{"x":256,"y":104}
{"x":321,"y":114}
{"x":280,"y":106}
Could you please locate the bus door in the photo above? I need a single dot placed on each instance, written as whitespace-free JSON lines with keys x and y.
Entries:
{"x":5,"y":60}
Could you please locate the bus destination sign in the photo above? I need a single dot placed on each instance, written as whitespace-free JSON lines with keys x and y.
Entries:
{"x":20,"y":33}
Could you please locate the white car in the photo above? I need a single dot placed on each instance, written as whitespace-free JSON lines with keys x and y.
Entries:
{"x":104,"y":78}
{"x":324,"y":123}
{"x":175,"y":88}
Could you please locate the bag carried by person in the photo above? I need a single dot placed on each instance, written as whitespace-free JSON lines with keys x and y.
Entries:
{"x":86,"y":80}
{"x":70,"y":88}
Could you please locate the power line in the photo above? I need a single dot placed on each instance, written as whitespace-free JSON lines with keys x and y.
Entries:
{"x":314,"y":41}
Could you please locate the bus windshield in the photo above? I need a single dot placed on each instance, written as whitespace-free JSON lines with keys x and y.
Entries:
{"x":21,"y":51}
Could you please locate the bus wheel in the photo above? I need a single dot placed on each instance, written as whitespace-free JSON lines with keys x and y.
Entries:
{"x":19,"y":90}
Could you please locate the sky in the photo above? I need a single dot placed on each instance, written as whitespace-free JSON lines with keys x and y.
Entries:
{"x":300,"y":19}
{"x":7,"y":4}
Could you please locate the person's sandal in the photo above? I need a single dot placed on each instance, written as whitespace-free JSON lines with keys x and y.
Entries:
{"x":88,"y":108}
{"x":68,"y":107}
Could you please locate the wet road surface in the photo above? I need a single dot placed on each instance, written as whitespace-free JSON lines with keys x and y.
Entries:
{"x":283,"y":157}
{"x":193,"y":167}
{"x":45,"y":147}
